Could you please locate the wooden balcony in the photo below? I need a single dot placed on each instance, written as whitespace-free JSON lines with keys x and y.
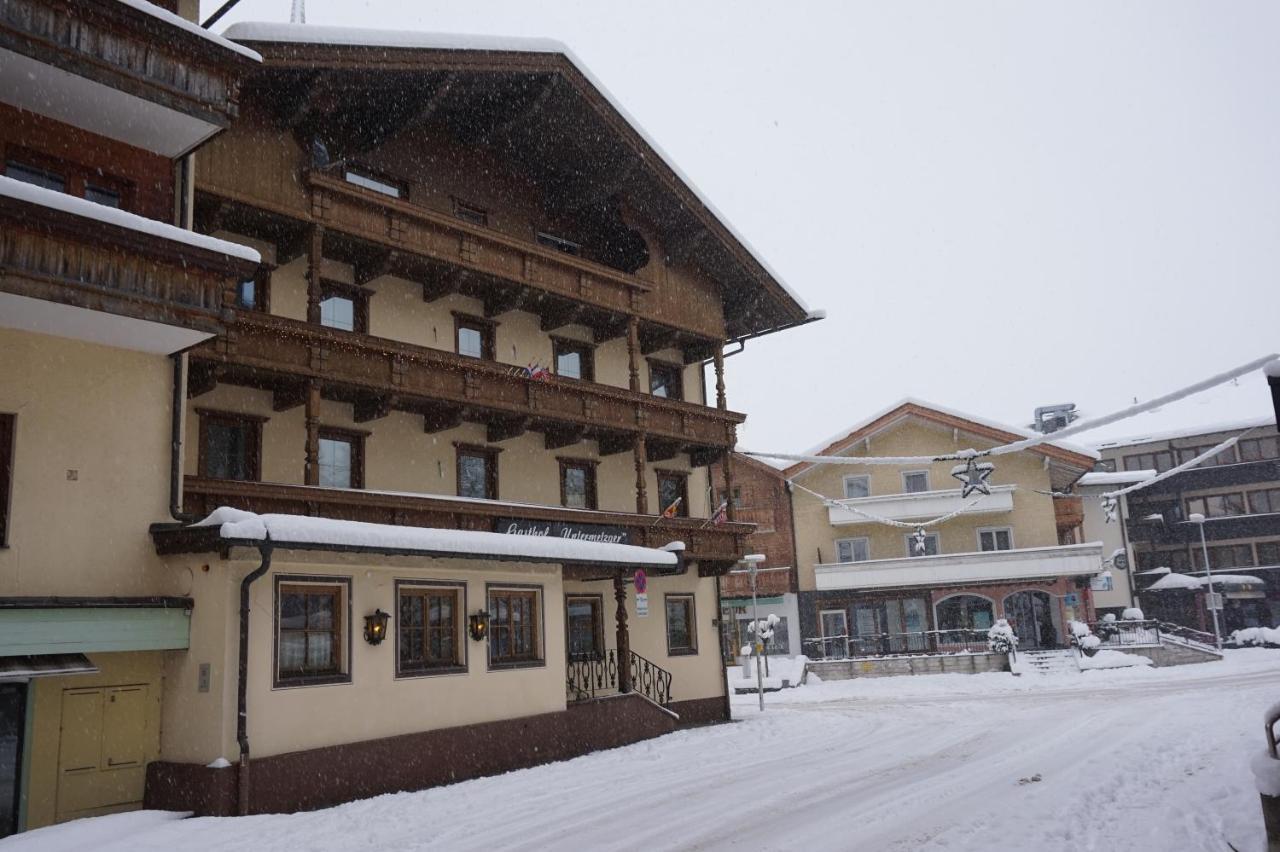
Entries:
{"x":144,"y":77}
{"x":716,"y":547}
{"x":58,"y":253}
{"x":377,"y":376}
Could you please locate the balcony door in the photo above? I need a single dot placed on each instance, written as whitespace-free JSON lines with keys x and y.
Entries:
{"x":1031,"y":615}
{"x":893,"y":626}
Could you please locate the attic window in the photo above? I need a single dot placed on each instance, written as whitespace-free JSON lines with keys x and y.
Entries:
{"x":471,"y":213}
{"x":558,"y":243}
{"x":378,"y":183}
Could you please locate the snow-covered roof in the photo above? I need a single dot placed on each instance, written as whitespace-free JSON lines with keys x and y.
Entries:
{"x":54,"y":200}
{"x":1176,"y":581}
{"x":317,"y":533}
{"x":1191,"y":432}
{"x":252,"y":31}
{"x":847,"y":432}
{"x":182,"y":23}
{"x":1117,"y":477}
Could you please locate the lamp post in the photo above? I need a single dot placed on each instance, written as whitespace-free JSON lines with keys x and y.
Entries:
{"x":1212,"y":599}
{"x":752,"y":562}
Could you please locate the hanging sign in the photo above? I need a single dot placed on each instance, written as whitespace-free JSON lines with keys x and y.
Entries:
{"x":642,"y":605}
{"x":559,"y":529}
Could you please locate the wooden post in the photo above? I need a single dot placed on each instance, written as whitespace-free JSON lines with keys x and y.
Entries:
{"x":642,"y":490}
{"x":726,"y":464}
{"x":719,"y":362}
{"x":633,"y":351}
{"x":312,"y":472}
{"x":315,"y":258}
{"x":624,"y":638}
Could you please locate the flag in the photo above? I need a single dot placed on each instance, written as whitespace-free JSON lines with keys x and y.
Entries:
{"x":721,"y":514}
{"x":670,"y":511}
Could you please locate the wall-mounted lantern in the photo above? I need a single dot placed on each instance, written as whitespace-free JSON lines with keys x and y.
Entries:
{"x":375,"y":627}
{"x":479,"y":625}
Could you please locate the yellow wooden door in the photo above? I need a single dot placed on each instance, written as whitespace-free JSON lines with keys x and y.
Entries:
{"x":101,"y":757}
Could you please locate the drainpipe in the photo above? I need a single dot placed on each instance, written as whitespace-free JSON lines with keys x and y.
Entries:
{"x":242,"y":685}
{"x":175,"y":446}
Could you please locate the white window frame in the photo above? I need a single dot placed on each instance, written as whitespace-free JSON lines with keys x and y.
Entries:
{"x":852,"y":539}
{"x":845,"y":484}
{"x":910,"y":540}
{"x":844,"y":617}
{"x":994,"y":530}
{"x":928,"y":484}
{"x":367,"y":181}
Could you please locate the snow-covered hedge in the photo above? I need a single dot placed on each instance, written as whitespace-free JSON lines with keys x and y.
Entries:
{"x":1001,"y":639}
{"x":1258,"y":637}
{"x":1133,"y":614}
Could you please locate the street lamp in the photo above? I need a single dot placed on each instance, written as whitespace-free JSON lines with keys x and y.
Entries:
{"x":752,"y":563}
{"x":1212,"y":599}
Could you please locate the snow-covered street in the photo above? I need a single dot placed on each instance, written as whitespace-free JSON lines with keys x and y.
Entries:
{"x":1125,"y":759}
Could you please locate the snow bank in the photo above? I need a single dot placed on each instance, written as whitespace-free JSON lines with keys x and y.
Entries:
{"x":790,"y":669}
{"x":235,"y":524}
{"x":19,"y":191}
{"x":95,"y":833}
{"x":1112,"y":660}
{"x":1266,"y":773}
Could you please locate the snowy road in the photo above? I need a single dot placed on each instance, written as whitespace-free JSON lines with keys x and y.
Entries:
{"x":1128,"y":759}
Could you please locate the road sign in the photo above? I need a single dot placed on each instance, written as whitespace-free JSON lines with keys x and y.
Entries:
{"x":642,"y":581}
{"x":1071,"y":599}
{"x":642,"y":605}
{"x":1213,"y":600}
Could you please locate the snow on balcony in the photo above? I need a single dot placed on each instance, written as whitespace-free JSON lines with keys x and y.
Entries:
{"x":925,"y":504}
{"x":951,"y":568}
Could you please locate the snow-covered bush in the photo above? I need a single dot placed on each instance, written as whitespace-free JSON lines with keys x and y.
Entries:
{"x":1133,"y":614}
{"x":1256,"y":637}
{"x":1107,"y":628}
{"x":1082,"y":637}
{"x":1001,"y":639}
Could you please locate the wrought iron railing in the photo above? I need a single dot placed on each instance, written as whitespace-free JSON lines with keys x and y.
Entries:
{"x":592,"y":674}
{"x":1123,"y":634}
{"x":1189,"y":636}
{"x":650,"y":680}
{"x":898,"y":644}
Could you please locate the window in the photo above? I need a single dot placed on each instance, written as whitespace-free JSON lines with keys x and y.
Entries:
{"x":230,"y":445}
{"x":470,"y":213}
{"x":43,"y":178}
{"x":103,"y":195}
{"x":367,"y":179}
{"x":514,"y":627}
{"x":473,"y":336}
{"x":578,"y":483}
{"x":344,"y":307}
{"x":341,"y":458}
{"x":251,"y":293}
{"x":1107,"y":465}
{"x":673,"y":486}
{"x":737,"y":499}
{"x":853,"y":549}
{"x":1227,"y":456}
{"x":930,"y":545}
{"x":1264,"y":502}
{"x":477,"y":472}
{"x":915,"y":481}
{"x":573,"y":359}
{"x":665,"y":380}
{"x":857,"y":486}
{"x":1159,"y":462}
{"x":1178,"y":560}
{"x":1257,"y":449}
{"x":7,"y":422}
{"x":558,"y":243}
{"x":71,"y":178}
{"x":965,"y":612}
{"x":682,"y":627}
{"x":584,"y":616}
{"x":1269,"y":553}
{"x":1225,"y":556}
{"x":429,"y":637}
{"x":995,"y":539}
{"x":1217,"y":505}
{"x":310,"y":615}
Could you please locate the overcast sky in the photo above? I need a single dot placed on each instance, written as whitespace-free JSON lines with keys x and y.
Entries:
{"x":999,"y":205}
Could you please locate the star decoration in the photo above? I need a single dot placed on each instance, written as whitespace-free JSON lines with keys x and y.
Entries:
{"x":1109,"y":506}
{"x":920,"y":538}
{"x":974,"y":475}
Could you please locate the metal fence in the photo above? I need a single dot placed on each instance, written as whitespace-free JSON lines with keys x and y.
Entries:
{"x":1126,"y":634}
{"x":898,"y":644}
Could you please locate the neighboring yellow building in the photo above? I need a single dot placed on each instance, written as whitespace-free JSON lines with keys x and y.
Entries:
{"x":868,"y":588}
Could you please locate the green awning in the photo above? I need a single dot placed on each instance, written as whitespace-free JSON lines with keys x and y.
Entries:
{"x":91,"y":626}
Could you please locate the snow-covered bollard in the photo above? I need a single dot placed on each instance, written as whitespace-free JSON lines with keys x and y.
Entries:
{"x":1266,"y":775}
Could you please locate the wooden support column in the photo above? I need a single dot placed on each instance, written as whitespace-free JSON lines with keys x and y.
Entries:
{"x":726,"y":464}
{"x":633,"y":351}
{"x":642,"y":490}
{"x":721,"y":403}
{"x":313,"y":434}
{"x":624,"y":637}
{"x":315,"y":258}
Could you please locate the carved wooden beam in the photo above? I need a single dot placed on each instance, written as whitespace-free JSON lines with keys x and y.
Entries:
{"x":703,"y":456}
{"x":506,"y":429}
{"x":611,"y":445}
{"x":560,"y":437}
{"x":441,"y":419}
{"x":693,"y":350}
{"x":500,"y":300}
{"x":376,"y":265}
{"x":201,"y":378}
{"x":285,"y":397}
{"x":654,"y":340}
{"x":368,"y":408}
{"x":610,"y":329}
{"x":560,"y":317}
{"x":656,"y":451}
{"x":441,"y":284}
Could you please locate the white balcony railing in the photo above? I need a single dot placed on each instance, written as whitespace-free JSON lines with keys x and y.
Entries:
{"x":951,"y":568}
{"x":925,"y":504}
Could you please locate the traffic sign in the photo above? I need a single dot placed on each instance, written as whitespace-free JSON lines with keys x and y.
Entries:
{"x":642,"y":605}
{"x":642,"y":581}
{"x":1213,"y":600}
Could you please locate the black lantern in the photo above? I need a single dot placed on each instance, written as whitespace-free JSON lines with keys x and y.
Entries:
{"x":375,"y":627}
{"x":479,"y":625}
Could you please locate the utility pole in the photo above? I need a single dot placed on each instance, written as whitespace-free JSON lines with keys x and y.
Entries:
{"x":1212,"y":599}
{"x":752,"y":562}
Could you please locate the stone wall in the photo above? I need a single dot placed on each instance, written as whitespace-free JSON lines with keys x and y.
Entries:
{"x":1172,"y":654}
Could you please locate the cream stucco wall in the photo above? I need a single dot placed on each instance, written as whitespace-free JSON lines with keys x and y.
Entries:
{"x":1032,"y":517}
{"x":91,"y":467}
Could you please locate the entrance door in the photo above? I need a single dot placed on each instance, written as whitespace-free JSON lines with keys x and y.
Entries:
{"x":1031,"y":616}
{"x":13,"y":706}
{"x":835,"y":633}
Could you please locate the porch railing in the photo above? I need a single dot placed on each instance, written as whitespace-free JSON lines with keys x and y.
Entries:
{"x":595,"y":674}
{"x":1124,"y":634}
{"x":898,"y":644}
{"x":1195,"y":638}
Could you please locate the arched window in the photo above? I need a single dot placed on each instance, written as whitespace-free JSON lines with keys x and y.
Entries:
{"x":965,"y":612}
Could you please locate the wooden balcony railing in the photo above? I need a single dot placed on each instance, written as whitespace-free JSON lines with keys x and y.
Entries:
{"x":145,"y":59}
{"x":379,"y":375}
{"x":714,"y":546}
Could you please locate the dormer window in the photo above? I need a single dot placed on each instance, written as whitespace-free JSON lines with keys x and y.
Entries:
{"x":471,"y":213}
{"x":371,"y":180}
{"x":559,"y":243}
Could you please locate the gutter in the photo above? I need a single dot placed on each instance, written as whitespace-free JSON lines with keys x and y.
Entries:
{"x":242,"y":683}
{"x":175,"y":438}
